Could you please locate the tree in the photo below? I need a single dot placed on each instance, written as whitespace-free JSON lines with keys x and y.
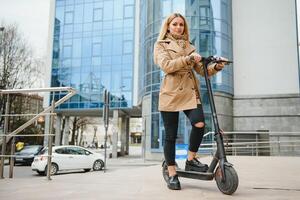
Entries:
{"x":18,"y":69}
{"x":78,"y":123}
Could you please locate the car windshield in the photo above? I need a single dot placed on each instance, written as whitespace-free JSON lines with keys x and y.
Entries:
{"x":44,"y":151}
{"x":30,"y":149}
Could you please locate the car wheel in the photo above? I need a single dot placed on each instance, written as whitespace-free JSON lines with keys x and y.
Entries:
{"x":87,"y":170}
{"x":98,"y":165}
{"x":41,"y":173}
{"x":53,"y":169}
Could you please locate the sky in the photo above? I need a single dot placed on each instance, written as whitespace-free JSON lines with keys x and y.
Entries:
{"x":32,"y":18}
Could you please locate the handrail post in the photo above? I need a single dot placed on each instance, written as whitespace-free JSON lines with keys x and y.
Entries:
{"x":12,"y":159}
{"x":50,"y":140}
{"x":278,"y":142}
{"x":4,"y":137}
{"x":256,"y":138}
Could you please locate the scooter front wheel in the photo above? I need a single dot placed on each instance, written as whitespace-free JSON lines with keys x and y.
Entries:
{"x":231,"y":182}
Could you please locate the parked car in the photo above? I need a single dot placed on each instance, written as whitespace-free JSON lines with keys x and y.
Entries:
{"x":68,"y":158}
{"x":26,"y":155}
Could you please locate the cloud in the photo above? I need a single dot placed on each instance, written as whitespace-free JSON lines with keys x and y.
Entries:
{"x":32,"y":17}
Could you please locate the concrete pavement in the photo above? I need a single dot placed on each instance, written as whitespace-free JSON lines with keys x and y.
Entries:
{"x":259,"y":178}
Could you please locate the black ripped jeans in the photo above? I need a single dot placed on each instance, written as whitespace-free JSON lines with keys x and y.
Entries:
{"x":170,"y":120}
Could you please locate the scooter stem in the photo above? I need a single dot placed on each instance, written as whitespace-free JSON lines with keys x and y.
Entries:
{"x":220,"y":154}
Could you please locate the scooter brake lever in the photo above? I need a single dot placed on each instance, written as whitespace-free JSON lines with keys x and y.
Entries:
{"x":227,"y":62}
{"x":215,"y":59}
{"x":220,"y":60}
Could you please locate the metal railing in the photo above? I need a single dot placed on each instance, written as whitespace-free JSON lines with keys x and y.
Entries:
{"x":6,"y":137}
{"x":256,"y":143}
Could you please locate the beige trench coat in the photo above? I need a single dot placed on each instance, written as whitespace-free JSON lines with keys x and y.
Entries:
{"x":179,"y":85}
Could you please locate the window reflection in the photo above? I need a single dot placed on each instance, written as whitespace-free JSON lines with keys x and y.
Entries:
{"x":127,"y":47}
{"x":107,"y":10}
{"x":210,"y":28}
{"x":68,"y":17}
{"x":128,"y":11}
{"x":155,"y":139}
{"x":88,"y":12}
{"x":98,"y":14}
{"x":78,"y":14}
{"x":166,"y":7}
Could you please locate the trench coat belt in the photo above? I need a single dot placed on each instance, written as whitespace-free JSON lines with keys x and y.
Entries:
{"x":188,"y":74}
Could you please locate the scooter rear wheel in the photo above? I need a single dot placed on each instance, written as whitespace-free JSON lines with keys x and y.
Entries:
{"x":231,"y":182}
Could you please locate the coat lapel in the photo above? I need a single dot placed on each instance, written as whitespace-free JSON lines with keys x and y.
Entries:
{"x":190,"y":49}
{"x":173,"y":46}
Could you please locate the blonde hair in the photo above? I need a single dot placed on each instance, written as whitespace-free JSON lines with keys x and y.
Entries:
{"x":166,"y":23}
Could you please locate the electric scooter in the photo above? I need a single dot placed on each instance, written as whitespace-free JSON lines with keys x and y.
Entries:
{"x":219,"y":168}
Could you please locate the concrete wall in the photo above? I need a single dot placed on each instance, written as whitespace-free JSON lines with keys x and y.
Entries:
{"x":224,"y":107}
{"x":265,"y":47}
{"x":266,"y":69}
{"x":146,"y":138}
{"x":49,"y":52}
{"x":273,"y":113}
{"x":136,"y":65}
{"x":277,"y":113}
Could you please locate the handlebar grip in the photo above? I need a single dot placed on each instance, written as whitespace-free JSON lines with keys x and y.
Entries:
{"x":227,"y":62}
{"x":213,"y":59}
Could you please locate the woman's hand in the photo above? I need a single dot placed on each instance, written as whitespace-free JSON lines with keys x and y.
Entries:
{"x":221,"y":65}
{"x":196,"y":57}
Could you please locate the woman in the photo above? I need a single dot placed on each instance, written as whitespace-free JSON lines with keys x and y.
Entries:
{"x":180,"y":91}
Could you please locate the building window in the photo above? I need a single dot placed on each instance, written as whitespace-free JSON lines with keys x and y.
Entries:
{"x":60,"y":2}
{"x":128,"y":1}
{"x":155,"y":131}
{"x":128,"y":11}
{"x":127,"y":47}
{"x":67,"y":51}
{"x":96,"y":61}
{"x":204,"y":41}
{"x":70,"y":2}
{"x":68,"y":17}
{"x":126,"y":84}
{"x":204,"y":15}
{"x":97,"y":47}
{"x":108,"y":10}
{"x":166,"y":8}
{"x":88,"y":10}
{"x":98,"y":14}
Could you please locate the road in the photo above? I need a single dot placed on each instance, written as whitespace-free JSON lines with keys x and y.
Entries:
{"x":134,"y":160}
{"x":20,"y":172}
{"x":263,"y":178}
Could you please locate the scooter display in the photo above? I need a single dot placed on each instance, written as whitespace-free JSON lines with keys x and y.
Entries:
{"x":219,"y":169}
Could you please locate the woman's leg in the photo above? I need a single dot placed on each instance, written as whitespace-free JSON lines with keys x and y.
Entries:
{"x":196,"y":117}
{"x":170,"y":120}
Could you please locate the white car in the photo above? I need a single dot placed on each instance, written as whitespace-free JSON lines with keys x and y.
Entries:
{"x":68,"y":158}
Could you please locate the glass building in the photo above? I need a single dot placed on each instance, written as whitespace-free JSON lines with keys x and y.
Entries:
{"x":93,"y":50}
{"x":211,"y":33}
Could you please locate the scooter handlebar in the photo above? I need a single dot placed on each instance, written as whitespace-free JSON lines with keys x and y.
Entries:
{"x":214,"y":59}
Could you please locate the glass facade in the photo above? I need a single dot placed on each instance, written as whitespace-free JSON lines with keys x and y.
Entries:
{"x":93,"y":51}
{"x":211,"y":33}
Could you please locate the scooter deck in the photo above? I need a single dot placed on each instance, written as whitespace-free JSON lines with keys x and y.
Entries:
{"x":195,"y":175}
